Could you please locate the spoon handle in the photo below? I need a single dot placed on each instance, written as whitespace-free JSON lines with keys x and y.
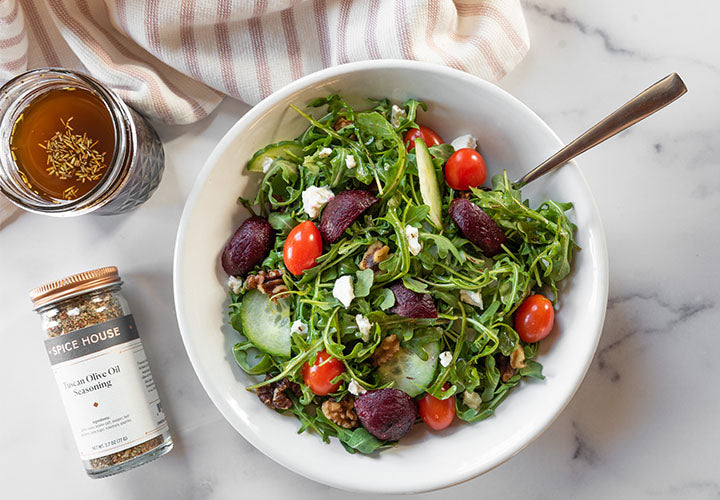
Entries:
{"x":641,"y":106}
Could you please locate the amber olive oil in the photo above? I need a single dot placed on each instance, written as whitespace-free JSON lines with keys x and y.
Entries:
{"x":63,"y":142}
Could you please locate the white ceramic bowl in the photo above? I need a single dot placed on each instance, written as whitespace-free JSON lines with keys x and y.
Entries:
{"x":511,"y":137}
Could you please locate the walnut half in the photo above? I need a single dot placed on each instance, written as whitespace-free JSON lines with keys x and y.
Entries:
{"x":517,"y":358}
{"x":341,"y":412}
{"x":386,"y":350}
{"x":268,"y":282}
{"x":276,"y":395}
{"x":504,"y":367}
{"x":374,"y":255}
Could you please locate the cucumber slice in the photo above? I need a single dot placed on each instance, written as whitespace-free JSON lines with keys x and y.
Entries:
{"x":282,"y":149}
{"x":429,"y":188}
{"x":265,"y":323}
{"x":409,"y":372}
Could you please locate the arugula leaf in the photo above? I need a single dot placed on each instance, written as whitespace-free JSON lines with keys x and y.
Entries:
{"x":363,"y":282}
{"x":385,"y":300}
{"x":414,"y":285}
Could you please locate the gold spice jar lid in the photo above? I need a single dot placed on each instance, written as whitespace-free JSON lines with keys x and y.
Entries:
{"x":74,"y":285}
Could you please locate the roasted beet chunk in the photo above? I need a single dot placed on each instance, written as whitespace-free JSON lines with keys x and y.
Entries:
{"x":247,"y":248}
{"x":387,"y":414}
{"x":342,"y":211}
{"x":476,"y":225}
{"x":409,"y":304}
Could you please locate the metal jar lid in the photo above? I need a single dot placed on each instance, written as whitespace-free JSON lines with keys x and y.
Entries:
{"x":74,"y":285}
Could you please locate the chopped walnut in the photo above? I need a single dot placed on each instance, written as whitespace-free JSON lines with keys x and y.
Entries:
{"x":341,"y":412}
{"x":341,"y":123}
{"x":386,"y":350}
{"x":374,"y":255}
{"x":506,"y":370}
{"x":517,"y":358}
{"x":268,"y":282}
{"x":276,"y":395}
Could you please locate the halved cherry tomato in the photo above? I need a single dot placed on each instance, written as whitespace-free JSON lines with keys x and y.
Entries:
{"x":465,"y":169}
{"x":302,"y":246}
{"x":318,"y":376}
{"x":534,"y":318}
{"x":428,"y":135}
{"x":437,"y":413}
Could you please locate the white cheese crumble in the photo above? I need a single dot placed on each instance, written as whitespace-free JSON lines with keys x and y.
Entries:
{"x":350,"y":161}
{"x":364,"y":326}
{"x":314,"y":198}
{"x":266,"y":164}
{"x":299,"y":327}
{"x":397,"y":115}
{"x":472,"y":399}
{"x":356,"y":389}
{"x":343,"y":290}
{"x":234,"y":284}
{"x":472,"y":298}
{"x":324,"y":152}
{"x":464,"y":141}
{"x":74,"y":311}
{"x":445,"y":358}
{"x":414,"y":245}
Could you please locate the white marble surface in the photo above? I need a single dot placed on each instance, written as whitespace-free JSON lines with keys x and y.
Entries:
{"x":644,"y":422}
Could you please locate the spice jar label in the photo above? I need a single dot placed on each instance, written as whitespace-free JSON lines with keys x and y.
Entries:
{"x":106,"y":386}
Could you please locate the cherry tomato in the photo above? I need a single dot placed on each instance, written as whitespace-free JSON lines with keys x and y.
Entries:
{"x":534,"y":318}
{"x":318,"y":376}
{"x":437,"y":413}
{"x":465,"y":169}
{"x":302,"y":246}
{"x":428,"y":135}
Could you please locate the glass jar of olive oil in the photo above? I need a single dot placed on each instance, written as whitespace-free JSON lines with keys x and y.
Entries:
{"x":71,"y":146}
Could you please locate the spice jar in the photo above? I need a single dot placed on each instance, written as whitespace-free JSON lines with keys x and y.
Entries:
{"x":102,"y":372}
{"x":70,"y":146}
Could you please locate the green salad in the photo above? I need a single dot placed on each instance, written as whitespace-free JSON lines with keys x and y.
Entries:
{"x":377,"y":284}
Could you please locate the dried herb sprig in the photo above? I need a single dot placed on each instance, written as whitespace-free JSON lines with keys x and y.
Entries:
{"x":70,"y":154}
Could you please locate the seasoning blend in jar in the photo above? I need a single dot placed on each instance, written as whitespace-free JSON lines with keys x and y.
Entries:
{"x":102,"y":372}
{"x":70,"y":146}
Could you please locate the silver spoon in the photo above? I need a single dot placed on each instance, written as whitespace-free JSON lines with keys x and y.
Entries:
{"x":641,"y":106}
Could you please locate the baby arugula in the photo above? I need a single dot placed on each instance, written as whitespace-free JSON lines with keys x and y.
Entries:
{"x":537,"y":255}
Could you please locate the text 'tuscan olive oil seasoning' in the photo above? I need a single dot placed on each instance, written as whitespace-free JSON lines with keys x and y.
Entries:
{"x":102,"y":372}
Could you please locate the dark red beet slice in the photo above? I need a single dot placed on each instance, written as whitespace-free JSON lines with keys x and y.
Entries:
{"x":342,"y":211}
{"x":476,"y":225}
{"x":387,"y":414}
{"x":409,"y":304}
{"x":247,"y":248}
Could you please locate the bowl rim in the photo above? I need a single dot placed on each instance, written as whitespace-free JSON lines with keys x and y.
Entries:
{"x":424,"y":484}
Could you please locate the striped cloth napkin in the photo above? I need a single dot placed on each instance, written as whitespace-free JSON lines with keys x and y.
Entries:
{"x":175,"y":60}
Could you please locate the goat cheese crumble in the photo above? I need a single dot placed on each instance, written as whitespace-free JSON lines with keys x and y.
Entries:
{"x":364,"y":326}
{"x":350,"y":161}
{"x":299,"y":327}
{"x":472,"y":399}
{"x":343,"y":290}
{"x":314,"y":198}
{"x":397,"y":115}
{"x":445,"y":358}
{"x":464,"y":141}
{"x":234,"y":284}
{"x":472,"y":298}
{"x":356,"y":389}
{"x":324,"y":152}
{"x":412,"y":235}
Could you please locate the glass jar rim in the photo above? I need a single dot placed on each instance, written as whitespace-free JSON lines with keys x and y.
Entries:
{"x":19,"y":194}
{"x":74,"y":285}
